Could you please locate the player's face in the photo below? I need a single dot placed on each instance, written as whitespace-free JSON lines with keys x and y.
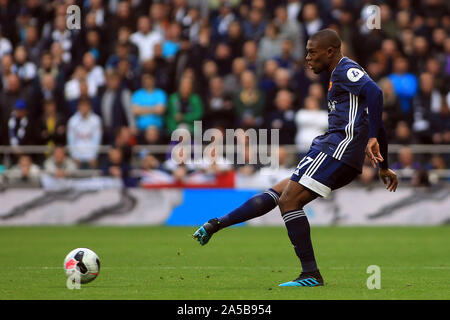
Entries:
{"x":316,"y":57}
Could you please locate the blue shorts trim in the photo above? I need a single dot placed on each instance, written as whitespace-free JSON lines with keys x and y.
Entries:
{"x":322,"y":173}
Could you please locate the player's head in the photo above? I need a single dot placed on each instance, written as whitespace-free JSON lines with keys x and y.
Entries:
{"x":322,"y":49}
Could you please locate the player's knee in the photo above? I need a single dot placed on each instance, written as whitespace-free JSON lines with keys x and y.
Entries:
{"x":287,"y":201}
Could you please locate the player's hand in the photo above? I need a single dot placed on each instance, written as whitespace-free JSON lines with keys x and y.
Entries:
{"x":373,"y":152}
{"x":389,"y":178}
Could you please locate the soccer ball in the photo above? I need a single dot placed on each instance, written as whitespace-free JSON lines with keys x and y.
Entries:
{"x":83,"y":262}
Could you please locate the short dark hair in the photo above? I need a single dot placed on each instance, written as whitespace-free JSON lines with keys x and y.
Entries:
{"x":327,"y":38}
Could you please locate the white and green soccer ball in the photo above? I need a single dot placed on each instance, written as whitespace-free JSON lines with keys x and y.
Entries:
{"x":82,"y":264}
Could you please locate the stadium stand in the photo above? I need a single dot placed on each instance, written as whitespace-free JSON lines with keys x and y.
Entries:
{"x":104,"y":99}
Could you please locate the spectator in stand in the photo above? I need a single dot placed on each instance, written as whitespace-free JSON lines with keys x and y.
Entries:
{"x":160,"y":68}
{"x":96,"y":8}
{"x":235,"y":39}
{"x":254,"y":27}
{"x":312,"y":21}
{"x":420,"y":54}
{"x":232,"y":82}
{"x":441,"y":120}
{"x":115,"y":107}
{"x":247,"y":164}
{"x":316,"y":90}
{"x":24,"y":173}
{"x":129,"y":77}
{"x":406,"y":163}
{"x":424,"y":105}
{"x":437,"y":162}
{"x":8,"y":97}
{"x":171,"y":43}
{"x":47,"y":89}
{"x":402,"y":133}
{"x":282,"y":79}
{"x":179,"y":167}
{"x":7,"y":62}
{"x":5,"y":45}
{"x":220,"y":24}
{"x":286,"y":59}
{"x":153,"y":137}
{"x":25,"y":69}
{"x":392,"y":112}
{"x":21,"y":130}
{"x":79,"y":87}
{"x":251,"y":55}
{"x":149,"y":104}
{"x":84,"y":135}
{"x":218,"y":106}
{"x":125,"y":140}
{"x":33,"y":44}
{"x":405,"y":85}
{"x":283,"y":118}
{"x":95,"y":46}
{"x":46,"y":66}
{"x":159,"y":15}
{"x":145,"y":38}
{"x":59,"y":165}
{"x":51,"y":125}
{"x":94,"y":72}
{"x":368,"y":174}
{"x":222,"y":57}
{"x":209,"y":70}
{"x":290,"y":29}
{"x":184,"y":107}
{"x":311,"y":121}
{"x":122,"y":51}
{"x":249,"y":103}
{"x":406,"y":160}
{"x":270,"y":45}
{"x":62,"y":35}
{"x":124,"y":17}
{"x":375,"y":70}
{"x":267,"y":81}
{"x":446,"y":57}
{"x":115,"y":166}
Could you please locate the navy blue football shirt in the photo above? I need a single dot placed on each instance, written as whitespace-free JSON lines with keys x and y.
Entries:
{"x":348,"y":123}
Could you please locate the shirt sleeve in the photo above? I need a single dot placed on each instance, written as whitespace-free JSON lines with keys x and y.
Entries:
{"x":374,"y":101}
{"x":352,"y":79}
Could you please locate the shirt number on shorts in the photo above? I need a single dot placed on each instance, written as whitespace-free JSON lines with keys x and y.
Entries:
{"x":302,"y":163}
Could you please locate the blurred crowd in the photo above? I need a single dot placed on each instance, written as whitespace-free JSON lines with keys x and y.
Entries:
{"x":136,"y":70}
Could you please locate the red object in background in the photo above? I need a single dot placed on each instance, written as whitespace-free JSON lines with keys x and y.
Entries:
{"x":225,"y":180}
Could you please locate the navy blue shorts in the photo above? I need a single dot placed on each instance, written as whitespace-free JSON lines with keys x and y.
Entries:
{"x":322,"y":173}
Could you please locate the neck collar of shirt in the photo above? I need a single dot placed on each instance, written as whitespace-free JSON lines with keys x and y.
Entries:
{"x":337,"y":65}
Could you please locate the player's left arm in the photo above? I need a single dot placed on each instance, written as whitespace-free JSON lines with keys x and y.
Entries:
{"x":377,"y":146}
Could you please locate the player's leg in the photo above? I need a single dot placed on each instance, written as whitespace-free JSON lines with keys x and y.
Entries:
{"x":256,"y":206}
{"x":292,"y":202}
{"x":317,"y":175}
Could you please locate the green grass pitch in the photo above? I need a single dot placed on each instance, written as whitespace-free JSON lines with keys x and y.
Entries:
{"x":238,"y":263}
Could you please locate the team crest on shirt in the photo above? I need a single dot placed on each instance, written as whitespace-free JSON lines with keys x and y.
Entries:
{"x":330,"y":85}
{"x":331,"y":105}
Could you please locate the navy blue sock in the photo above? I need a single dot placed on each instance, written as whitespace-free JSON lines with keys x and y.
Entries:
{"x":299,"y":232}
{"x":254,"y":207}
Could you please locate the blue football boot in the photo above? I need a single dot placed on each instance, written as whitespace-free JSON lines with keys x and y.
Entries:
{"x":305,"y":279}
{"x":205,"y":232}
